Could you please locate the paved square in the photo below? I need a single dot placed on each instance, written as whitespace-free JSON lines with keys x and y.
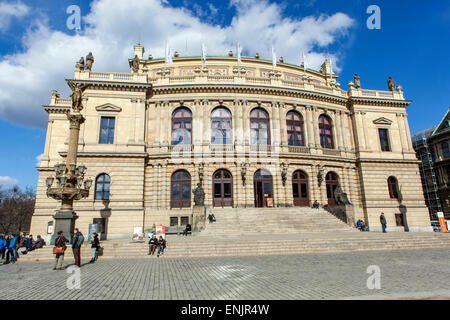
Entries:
{"x":416,"y":273}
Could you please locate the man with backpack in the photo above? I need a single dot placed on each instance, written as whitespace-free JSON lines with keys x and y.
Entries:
{"x":77,"y":242}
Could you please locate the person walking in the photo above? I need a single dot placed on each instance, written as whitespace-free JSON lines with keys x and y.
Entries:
{"x":95,"y":246}
{"x":383,"y":222}
{"x":58,"y":250}
{"x":11,"y":255}
{"x":78,"y":240}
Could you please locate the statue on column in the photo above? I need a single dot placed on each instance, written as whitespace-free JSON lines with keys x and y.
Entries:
{"x":80,"y":65}
{"x":356,"y":81}
{"x":77,"y":96}
{"x":135,"y":64}
{"x":199,"y":195}
{"x":89,"y":61}
{"x":391,"y":84}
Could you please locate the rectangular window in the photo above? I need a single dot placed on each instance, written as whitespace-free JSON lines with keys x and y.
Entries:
{"x":107,"y":130}
{"x":173,"y":221}
{"x":384,"y":139}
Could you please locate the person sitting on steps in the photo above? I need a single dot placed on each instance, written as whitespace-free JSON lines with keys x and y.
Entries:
{"x":187,"y":229}
{"x":316,"y":205}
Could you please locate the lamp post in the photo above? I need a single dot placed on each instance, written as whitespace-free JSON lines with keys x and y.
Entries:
{"x":70,"y":181}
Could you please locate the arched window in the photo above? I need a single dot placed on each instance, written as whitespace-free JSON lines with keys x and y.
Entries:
{"x":294,"y":123}
{"x":393,"y":187}
{"x":331,"y":181}
{"x":259,"y":127}
{"x":325,"y":131}
{"x":221,"y":126}
{"x":182,"y":126}
{"x":102,"y":184}
{"x":180,"y":195}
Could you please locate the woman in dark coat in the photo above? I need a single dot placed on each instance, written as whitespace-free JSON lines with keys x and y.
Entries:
{"x":95,"y":246}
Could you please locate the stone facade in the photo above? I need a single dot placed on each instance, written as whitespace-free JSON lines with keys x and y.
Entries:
{"x":143,"y":158}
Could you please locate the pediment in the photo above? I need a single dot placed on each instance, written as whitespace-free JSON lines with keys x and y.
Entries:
{"x":444,"y":125}
{"x":382,"y":121}
{"x":108,"y":107}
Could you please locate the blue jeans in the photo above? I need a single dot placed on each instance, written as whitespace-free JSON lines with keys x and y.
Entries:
{"x":383,"y":226}
{"x":94,"y":254}
{"x":11,"y":254}
{"x":160,"y":250}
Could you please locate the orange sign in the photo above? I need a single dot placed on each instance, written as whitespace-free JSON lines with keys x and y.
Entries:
{"x":269,"y":202}
{"x":442,"y":222}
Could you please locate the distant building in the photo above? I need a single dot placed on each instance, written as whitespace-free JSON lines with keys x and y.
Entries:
{"x":432,"y":149}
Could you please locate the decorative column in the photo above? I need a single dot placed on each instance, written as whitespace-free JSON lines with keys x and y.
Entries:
{"x":245,"y":120}
{"x":401,"y":131}
{"x":364,"y":126}
{"x":282,"y":117}
{"x":206,"y":123}
{"x":315,"y":114}
{"x":48,"y":138}
{"x":132,"y":133}
{"x":310,"y":131}
{"x":408,"y":133}
{"x":339,"y":129}
{"x":167,"y":125}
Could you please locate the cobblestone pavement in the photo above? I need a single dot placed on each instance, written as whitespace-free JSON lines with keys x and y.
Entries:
{"x":413,"y":274}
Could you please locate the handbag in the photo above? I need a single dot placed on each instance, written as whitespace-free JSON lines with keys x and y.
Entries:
{"x":58,"y":250}
{"x":100,"y":251}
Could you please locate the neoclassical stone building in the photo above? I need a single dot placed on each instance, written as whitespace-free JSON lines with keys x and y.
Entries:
{"x":252,"y":134}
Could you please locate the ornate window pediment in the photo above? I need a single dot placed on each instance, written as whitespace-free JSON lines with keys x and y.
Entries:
{"x":108,"y":107}
{"x":382,"y":121}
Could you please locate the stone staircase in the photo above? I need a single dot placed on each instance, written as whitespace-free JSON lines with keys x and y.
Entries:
{"x":257,"y":221}
{"x":259,"y":232}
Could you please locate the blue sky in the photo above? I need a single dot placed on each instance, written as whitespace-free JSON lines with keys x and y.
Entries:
{"x":38,"y":51}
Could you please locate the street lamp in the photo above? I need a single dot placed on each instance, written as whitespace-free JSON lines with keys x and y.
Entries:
{"x":69,"y":177}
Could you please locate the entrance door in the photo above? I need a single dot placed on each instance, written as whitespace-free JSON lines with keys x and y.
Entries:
{"x":332,"y":181}
{"x":180,"y":196}
{"x":263,"y":186}
{"x":222,"y":188}
{"x":300,"y":189}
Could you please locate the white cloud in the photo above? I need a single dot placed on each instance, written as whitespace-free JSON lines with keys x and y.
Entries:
{"x":38,"y":160}
{"x":9,"y":11}
{"x":49,"y":56}
{"x":8,"y":181}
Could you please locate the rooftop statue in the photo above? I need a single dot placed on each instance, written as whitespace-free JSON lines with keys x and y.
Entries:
{"x":135,"y":64}
{"x":80,"y":64}
{"x":89,"y":61}
{"x":356,"y":81}
{"x":391,"y":84}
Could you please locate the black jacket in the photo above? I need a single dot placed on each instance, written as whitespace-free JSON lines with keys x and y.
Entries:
{"x":383,"y":219}
{"x":153,"y":241}
{"x":95,"y":243}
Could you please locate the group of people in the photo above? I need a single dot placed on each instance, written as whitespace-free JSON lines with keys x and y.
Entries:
{"x":77,"y":242}
{"x":211,"y":217}
{"x":11,"y":243}
{"x":154,"y":243}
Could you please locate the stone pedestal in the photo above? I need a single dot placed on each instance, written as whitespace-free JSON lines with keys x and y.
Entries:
{"x":65,"y":222}
{"x":350,"y":214}
{"x":198,"y":218}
